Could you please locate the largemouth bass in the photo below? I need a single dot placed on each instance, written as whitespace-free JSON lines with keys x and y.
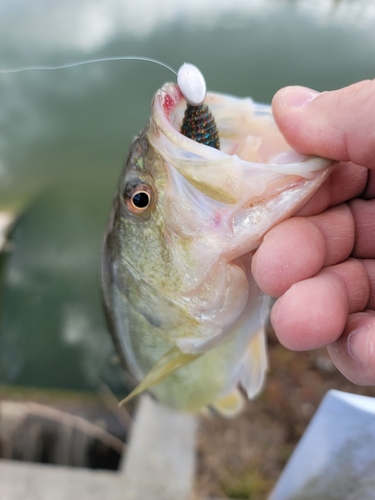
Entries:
{"x":187,"y":317}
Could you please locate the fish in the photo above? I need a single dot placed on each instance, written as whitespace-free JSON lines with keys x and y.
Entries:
{"x":186,"y":315}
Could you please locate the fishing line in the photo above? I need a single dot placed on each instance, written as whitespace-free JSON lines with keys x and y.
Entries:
{"x":198,"y":123}
{"x":88,"y":61}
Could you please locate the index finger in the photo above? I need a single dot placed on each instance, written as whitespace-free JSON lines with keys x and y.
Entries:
{"x":339,"y":124}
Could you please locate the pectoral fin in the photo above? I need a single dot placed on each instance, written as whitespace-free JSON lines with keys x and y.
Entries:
{"x":254,"y":364}
{"x":168,"y":364}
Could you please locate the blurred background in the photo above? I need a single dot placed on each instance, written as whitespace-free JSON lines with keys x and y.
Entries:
{"x":64,"y":136}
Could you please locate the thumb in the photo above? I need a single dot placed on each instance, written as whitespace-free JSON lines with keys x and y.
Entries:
{"x":339,"y":125}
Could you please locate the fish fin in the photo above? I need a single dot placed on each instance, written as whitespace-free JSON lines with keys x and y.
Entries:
{"x":231,"y":405}
{"x":168,"y":364}
{"x":254,"y":364}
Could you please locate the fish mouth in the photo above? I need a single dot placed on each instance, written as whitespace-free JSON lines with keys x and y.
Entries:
{"x":254,"y":161}
{"x":247,"y":129}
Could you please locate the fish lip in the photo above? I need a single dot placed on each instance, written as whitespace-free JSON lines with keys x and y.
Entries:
{"x":168,"y":97}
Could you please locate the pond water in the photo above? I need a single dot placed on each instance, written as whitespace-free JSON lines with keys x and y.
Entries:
{"x":64,"y":136}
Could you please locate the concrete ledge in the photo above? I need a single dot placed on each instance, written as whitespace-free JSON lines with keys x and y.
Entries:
{"x":28,"y":481}
{"x":160,"y":460}
{"x":159,"y":465}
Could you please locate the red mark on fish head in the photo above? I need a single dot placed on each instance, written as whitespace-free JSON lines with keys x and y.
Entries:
{"x":170,"y":96}
{"x":168,"y":105}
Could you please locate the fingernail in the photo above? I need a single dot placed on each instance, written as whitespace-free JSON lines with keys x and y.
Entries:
{"x":361,"y":344}
{"x":295,"y":97}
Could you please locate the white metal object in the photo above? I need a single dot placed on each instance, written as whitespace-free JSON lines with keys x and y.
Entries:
{"x":192,"y":84}
{"x":335,"y":458}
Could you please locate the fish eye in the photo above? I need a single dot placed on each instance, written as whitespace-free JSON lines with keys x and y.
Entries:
{"x":138,"y":198}
{"x":141,"y":199}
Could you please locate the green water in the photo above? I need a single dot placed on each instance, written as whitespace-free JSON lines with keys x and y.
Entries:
{"x":64,"y":136}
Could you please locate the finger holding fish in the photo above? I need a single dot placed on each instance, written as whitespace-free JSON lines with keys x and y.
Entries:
{"x":354,"y":352}
{"x":312,"y":313}
{"x":324,"y":306}
{"x":335,"y":124}
{"x":298,"y":248}
{"x":315,"y":308}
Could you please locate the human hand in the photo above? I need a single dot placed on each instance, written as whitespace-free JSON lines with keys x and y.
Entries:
{"x":320,"y":264}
